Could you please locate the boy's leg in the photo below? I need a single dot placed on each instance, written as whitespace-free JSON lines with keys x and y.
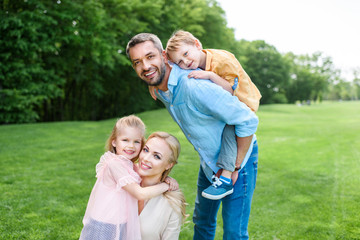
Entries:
{"x":205,"y":211}
{"x":226,"y":161}
{"x":236,"y":207}
{"x":228,"y":150}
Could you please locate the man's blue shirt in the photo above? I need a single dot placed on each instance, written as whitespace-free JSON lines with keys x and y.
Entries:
{"x":201,"y":109}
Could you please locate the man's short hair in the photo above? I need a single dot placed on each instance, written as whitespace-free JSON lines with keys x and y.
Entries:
{"x":143,"y":37}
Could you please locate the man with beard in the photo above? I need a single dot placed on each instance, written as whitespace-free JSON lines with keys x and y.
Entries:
{"x":202,"y":109}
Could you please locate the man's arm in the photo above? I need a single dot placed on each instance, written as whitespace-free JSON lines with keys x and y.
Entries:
{"x":243,"y":145}
{"x":213,"y":100}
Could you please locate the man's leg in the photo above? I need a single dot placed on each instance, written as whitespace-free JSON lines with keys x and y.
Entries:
{"x":236,"y":207}
{"x":205,"y":211}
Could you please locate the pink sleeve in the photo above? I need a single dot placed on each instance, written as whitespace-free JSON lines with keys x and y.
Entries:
{"x":123,"y":173}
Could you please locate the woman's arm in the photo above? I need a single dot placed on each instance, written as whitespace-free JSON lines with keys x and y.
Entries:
{"x":142,"y":193}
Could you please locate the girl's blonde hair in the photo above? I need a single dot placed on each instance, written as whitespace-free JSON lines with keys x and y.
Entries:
{"x":179,"y":38}
{"x":176,"y":198}
{"x":124,"y":122}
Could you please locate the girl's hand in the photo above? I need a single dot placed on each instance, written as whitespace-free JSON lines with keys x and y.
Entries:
{"x":173,"y":184}
{"x":200,"y":74}
{"x":152,"y":92}
{"x":136,"y":167}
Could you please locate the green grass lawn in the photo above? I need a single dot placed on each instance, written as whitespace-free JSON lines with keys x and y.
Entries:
{"x":308,"y":181}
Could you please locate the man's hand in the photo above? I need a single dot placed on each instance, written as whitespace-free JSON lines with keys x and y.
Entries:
{"x":234,"y":175}
{"x":152,"y":90}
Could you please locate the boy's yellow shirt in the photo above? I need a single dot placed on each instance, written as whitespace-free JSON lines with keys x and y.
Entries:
{"x":225,"y":64}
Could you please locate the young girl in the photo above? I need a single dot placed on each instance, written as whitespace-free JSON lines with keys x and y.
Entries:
{"x":112,"y":210}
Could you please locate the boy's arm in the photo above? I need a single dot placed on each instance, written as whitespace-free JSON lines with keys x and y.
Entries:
{"x":142,"y":193}
{"x":212,"y":77}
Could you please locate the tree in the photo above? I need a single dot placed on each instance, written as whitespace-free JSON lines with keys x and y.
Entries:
{"x":356,"y":83}
{"x":266,"y":68}
{"x":25,"y":80}
{"x":311,"y":76}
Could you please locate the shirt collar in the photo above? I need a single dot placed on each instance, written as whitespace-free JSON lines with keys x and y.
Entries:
{"x":174,"y":77}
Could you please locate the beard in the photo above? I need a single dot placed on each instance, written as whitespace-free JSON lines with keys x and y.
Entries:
{"x":158,"y":81}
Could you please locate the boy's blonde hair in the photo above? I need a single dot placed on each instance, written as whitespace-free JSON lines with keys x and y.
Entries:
{"x":128,"y":121}
{"x":179,"y":38}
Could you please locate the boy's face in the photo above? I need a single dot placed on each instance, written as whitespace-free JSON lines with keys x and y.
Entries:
{"x":148,"y":62}
{"x":186,"y":56}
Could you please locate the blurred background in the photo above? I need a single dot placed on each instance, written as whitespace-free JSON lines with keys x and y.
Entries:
{"x":65,"y":60}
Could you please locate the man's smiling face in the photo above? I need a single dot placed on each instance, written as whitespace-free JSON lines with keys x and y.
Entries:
{"x":148,"y":62}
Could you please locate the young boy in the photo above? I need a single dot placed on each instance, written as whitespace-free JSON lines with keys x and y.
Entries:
{"x":222,"y":68}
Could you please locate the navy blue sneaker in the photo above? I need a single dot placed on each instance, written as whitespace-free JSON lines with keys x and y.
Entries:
{"x":218,"y":190}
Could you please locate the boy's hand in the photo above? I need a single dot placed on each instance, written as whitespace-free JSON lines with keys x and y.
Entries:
{"x":173,"y":184}
{"x":152,"y":92}
{"x":200,"y":74}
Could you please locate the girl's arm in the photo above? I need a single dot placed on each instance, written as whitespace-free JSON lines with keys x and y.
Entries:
{"x":173,"y":184}
{"x":142,"y":193}
{"x":212,"y":77}
{"x":118,"y":172}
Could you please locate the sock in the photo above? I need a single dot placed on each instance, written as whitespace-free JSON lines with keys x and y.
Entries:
{"x":225,"y":180}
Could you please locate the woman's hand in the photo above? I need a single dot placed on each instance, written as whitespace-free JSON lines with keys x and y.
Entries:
{"x":173,"y":184}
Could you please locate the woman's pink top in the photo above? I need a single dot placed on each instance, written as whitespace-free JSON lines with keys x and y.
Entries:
{"x":109,"y":203}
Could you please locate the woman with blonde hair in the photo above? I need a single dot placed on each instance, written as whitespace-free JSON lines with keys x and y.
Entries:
{"x":161,"y":217}
{"x":112,"y":209}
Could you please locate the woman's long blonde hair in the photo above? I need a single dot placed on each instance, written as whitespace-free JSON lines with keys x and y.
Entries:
{"x":176,"y":198}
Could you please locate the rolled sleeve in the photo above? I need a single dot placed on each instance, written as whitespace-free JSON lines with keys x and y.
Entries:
{"x":211,"y":99}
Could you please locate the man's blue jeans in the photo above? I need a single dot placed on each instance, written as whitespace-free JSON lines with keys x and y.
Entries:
{"x":235,"y":207}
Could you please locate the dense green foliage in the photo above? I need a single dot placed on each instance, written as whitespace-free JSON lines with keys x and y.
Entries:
{"x":308,"y":177}
{"x":65,"y":60}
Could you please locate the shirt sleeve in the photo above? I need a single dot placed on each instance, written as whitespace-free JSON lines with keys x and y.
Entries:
{"x":228,"y":68}
{"x":120,"y":173}
{"x":211,"y":99}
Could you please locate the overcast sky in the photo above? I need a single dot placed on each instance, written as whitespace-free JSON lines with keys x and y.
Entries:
{"x":301,"y":26}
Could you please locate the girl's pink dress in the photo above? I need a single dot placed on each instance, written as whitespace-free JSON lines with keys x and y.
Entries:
{"x":112,"y":213}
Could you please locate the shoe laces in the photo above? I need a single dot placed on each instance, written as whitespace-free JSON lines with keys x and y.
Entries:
{"x":214,"y":177}
{"x":216,"y":183}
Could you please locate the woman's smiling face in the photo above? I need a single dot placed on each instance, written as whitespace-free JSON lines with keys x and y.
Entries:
{"x":154,"y":158}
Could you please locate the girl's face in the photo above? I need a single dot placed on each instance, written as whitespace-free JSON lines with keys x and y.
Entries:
{"x":128,"y":142}
{"x":187,"y":56}
{"x":154,"y":158}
